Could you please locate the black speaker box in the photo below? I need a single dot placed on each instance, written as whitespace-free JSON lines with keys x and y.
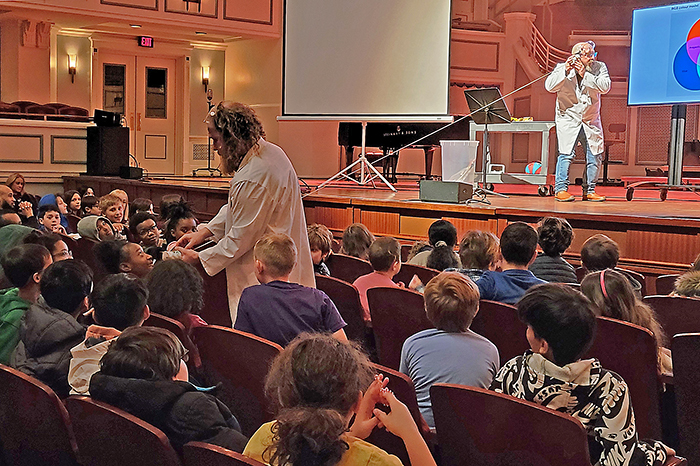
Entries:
{"x":107,"y":150}
{"x":454,"y":192}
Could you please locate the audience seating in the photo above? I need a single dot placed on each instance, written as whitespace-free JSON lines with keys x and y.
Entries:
{"x":397,"y":313}
{"x":215,"y":310}
{"x":686,"y":378}
{"x":409,"y":270}
{"x":500,"y":324}
{"x":82,"y":250}
{"x":630,"y":351}
{"x":637,"y":276}
{"x":347,"y":268}
{"x":38,"y":112}
{"x":179,"y":330}
{"x":478,"y":426}
{"x":665,"y":284}
{"x":23,"y":104}
{"x":74,"y":114}
{"x":676,"y":314}
{"x":72,"y":222}
{"x":9,"y":111}
{"x":347,"y":300}
{"x":239,"y":361}
{"x":34,"y":425}
{"x":58,"y":106}
{"x":204,"y":454}
{"x":108,"y":436}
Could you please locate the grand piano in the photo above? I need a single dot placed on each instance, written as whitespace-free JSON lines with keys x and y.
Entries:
{"x":391,"y":136}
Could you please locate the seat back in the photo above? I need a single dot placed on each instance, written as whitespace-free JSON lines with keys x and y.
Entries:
{"x":347,"y":300}
{"x":676,"y":314}
{"x":347,"y":268}
{"x":477,"y":426}
{"x":397,"y":313}
{"x":637,"y":276}
{"x":500,"y":324}
{"x":239,"y":361}
{"x":205,"y":454}
{"x":34,"y":426}
{"x":108,"y":436}
{"x":72,"y":222}
{"x":215,"y":310}
{"x":179,"y":330}
{"x":409,"y":270}
{"x":23,"y":104}
{"x":82,"y":250}
{"x":686,"y":380}
{"x":630,"y":351}
{"x":665,"y":284}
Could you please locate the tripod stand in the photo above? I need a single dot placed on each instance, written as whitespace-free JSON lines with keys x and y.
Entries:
{"x":209,"y":170}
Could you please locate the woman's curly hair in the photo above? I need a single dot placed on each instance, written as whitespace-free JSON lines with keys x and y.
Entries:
{"x":240,"y":130}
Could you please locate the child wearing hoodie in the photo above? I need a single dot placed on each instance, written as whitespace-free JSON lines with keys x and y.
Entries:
{"x":96,"y":228}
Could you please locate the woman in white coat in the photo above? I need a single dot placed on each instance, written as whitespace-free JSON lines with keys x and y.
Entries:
{"x":579,"y":83}
{"x":264,"y":197}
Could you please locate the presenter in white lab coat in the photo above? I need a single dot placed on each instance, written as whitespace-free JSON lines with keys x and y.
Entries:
{"x":264,"y":197}
{"x":579,"y":82}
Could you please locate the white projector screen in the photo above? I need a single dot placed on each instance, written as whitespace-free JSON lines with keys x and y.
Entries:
{"x":373,"y":58}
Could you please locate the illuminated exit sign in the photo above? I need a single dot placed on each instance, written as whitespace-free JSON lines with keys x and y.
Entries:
{"x":145,"y":41}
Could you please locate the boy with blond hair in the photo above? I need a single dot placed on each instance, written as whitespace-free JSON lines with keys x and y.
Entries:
{"x":113,"y":208}
{"x":450,"y":352}
{"x":278,"y":310}
{"x":320,"y":242}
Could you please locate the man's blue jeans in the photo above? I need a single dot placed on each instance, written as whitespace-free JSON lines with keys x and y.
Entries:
{"x":590,"y":174}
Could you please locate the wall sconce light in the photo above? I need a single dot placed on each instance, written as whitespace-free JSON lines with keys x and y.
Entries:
{"x":205,"y":77}
{"x":72,"y":60}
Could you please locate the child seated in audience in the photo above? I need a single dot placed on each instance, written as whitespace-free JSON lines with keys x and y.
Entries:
{"x":124,"y":197}
{"x":144,"y":373}
{"x":385,"y":257}
{"x":23,"y":267}
{"x":50,"y":219}
{"x":113,"y":208}
{"x":140,"y":204}
{"x":450,"y":352}
{"x":49,"y":328}
{"x":560,"y":329}
{"x":321,"y":243}
{"x":315,"y":405}
{"x":181,"y":220}
{"x":144,"y":229}
{"x":356,"y":241}
{"x":51,"y":241}
{"x":56,"y":200}
{"x":440,"y":231}
{"x":479,"y":251}
{"x":518,"y":250}
{"x":175,"y":289}
{"x":90,"y":206}
{"x":613,"y":296}
{"x":599,"y":252}
{"x":554,"y":237}
{"x":118,"y":302}
{"x":688,"y":284}
{"x":119,"y":256}
{"x":73,"y":201}
{"x":166,"y":203}
{"x":96,"y":228}
{"x":442,"y":257}
{"x":278,"y":310}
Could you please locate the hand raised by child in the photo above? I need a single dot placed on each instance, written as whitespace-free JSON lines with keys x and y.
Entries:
{"x":365,"y":421}
{"x":399,"y":421}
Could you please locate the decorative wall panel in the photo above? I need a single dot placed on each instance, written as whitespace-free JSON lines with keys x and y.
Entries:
{"x":68,"y":149}
{"x":249,"y":11}
{"x":142,"y":4}
{"x":22,"y":148}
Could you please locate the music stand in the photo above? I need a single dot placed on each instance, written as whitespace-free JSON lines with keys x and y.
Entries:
{"x":487,"y":106}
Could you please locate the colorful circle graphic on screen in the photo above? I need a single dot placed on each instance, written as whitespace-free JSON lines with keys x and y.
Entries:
{"x":686,"y":69}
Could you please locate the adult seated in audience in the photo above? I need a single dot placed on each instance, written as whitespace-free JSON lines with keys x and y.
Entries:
{"x":278,"y":310}
{"x":73,"y":201}
{"x":96,"y":228}
{"x":181,"y":220}
{"x":317,"y":385}
{"x":9,"y":217}
{"x":321,"y":244}
{"x":17,"y":184}
{"x":49,"y":328}
{"x":50,"y":220}
{"x":90,"y":205}
{"x":23,"y":267}
{"x":7,"y":198}
{"x":442,"y":257}
{"x":599,"y":252}
{"x":145,"y":231}
{"x":385,"y":257}
{"x":119,"y":256}
{"x":356,"y":241}
{"x":554,"y":237}
{"x":140,"y":204}
{"x":113,"y":208}
{"x":175,"y":290}
{"x":518,"y":250}
{"x":560,"y":329}
{"x":144,"y":373}
{"x":25,"y":211}
{"x":118,"y":302}
{"x":57,"y":201}
{"x":613,"y":296}
{"x":688,"y":284}
{"x":439,"y":231}
{"x":479,"y":251}
{"x":450,"y":352}
{"x":54,"y":243}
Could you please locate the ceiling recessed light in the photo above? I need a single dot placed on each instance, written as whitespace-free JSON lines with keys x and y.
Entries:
{"x":135,"y":25}
{"x":200,"y":33}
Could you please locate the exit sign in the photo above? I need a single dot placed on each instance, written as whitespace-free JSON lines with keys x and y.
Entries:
{"x":145,"y":41}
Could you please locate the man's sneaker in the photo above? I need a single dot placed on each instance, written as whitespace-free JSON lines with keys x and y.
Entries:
{"x":564,"y":196}
{"x":593,"y":197}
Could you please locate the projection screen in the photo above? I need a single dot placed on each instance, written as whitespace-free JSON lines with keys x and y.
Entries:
{"x":374,"y":58}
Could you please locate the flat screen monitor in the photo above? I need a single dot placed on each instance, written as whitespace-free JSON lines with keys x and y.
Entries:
{"x":664,"y":58}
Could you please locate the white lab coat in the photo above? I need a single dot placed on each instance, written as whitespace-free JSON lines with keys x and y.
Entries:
{"x":579,"y":106}
{"x":264,"y":197}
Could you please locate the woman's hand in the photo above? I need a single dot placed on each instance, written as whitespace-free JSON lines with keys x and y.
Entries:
{"x":25,"y":209}
{"x":193,"y":239}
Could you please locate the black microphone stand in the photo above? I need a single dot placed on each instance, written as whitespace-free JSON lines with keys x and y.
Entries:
{"x":209,"y":170}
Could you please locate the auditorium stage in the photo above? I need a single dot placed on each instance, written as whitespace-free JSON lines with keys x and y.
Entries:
{"x":655,"y":237}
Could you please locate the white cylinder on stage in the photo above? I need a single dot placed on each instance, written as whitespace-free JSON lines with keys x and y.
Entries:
{"x":459,"y":160}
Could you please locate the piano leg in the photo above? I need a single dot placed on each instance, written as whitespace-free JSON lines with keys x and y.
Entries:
{"x":429,"y":152}
{"x":389,"y":165}
{"x":349,"y":156}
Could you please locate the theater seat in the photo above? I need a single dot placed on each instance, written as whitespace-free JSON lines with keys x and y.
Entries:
{"x":500,"y":324}
{"x":347,"y":268}
{"x":409,"y":270}
{"x":347,"y":299}
{"x":204,"y":454}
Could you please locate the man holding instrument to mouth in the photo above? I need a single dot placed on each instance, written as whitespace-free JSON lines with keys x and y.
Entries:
{"x":579,"y":83}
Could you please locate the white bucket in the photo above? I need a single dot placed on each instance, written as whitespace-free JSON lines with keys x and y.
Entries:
{"x":459,"y":160}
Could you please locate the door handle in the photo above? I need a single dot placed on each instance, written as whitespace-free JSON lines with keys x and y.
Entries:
{"x":138,"y":121}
